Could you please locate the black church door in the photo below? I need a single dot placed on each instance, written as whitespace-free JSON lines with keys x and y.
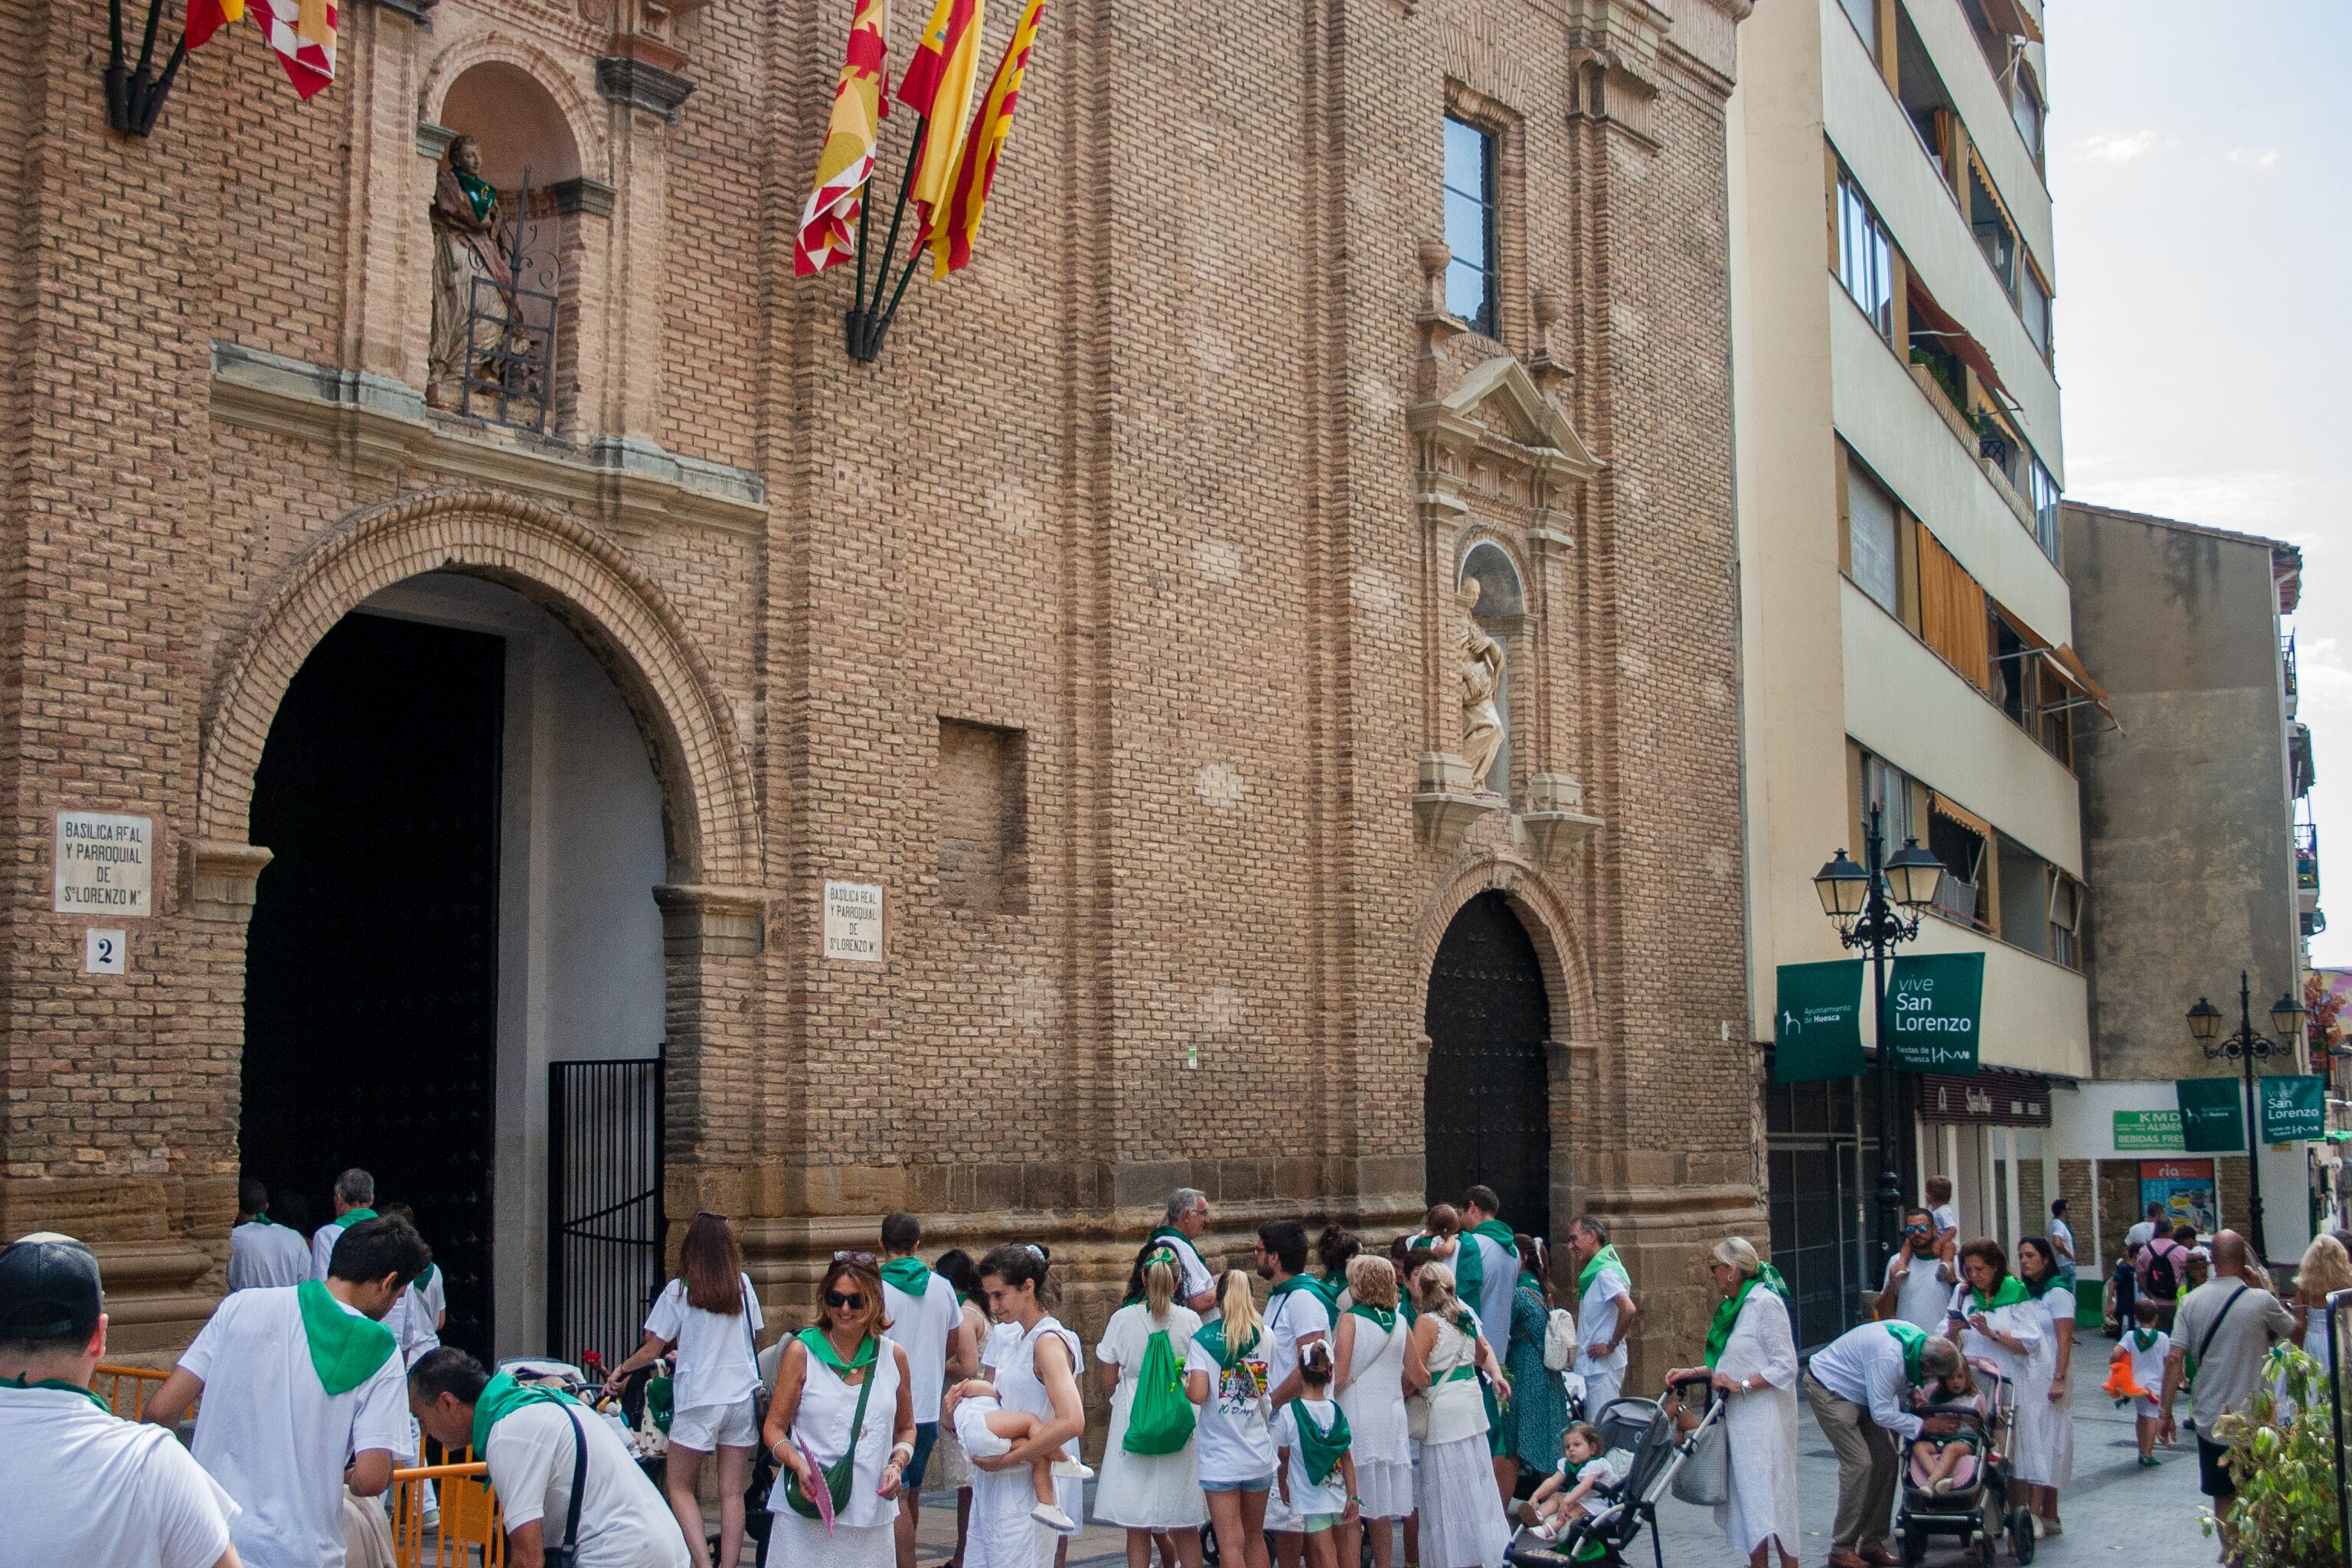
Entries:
{"x":1486,"y":1101}
{"x":371,"y":1002}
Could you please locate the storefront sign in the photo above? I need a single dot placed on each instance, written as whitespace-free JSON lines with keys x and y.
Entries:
{"x":2212,"y":1116}
{"x":853,"y":921}
{"x":2185,"y":1188}
{"x":1932,"y":1003}
{"x":2150,"y":1132}
{"x":2292,"y":1108}
{"x":1992,"y":1099}
{"x":105,"y":864}
{"x":1818,"y":1030}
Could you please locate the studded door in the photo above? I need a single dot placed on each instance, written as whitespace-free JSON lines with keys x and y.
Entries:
{"x":1487,"y":1102}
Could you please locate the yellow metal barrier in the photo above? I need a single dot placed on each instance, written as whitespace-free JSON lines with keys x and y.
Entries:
{"x":125,"y":1388}
{"x":470,"y":1530}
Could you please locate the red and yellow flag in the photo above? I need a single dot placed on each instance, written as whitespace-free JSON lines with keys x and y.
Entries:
{"x":938,"y":86}
{"x":828,"y":231}
{"x":949,"y":230}
{"x":303,"y":32}
{"x":206,"y":17}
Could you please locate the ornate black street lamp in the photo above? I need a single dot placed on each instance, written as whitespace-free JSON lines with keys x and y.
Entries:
{"x":1876,"y":905}
{"x":2246,"y":1048}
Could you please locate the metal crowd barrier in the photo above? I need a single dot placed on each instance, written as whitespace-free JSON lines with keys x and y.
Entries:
{"x":470,"y":1530}
{"x":125,"y":1388}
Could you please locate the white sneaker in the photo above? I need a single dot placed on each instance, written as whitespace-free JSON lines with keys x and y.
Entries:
{"x":1054,"y":1519}
{"x":1071,"y":1470}
{"x":1547,"y":1532}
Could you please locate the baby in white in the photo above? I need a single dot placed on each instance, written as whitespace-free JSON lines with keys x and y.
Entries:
{"x":986,"y":1429}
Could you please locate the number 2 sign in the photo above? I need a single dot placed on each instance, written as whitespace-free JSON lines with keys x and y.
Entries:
{"x":102,"y":952}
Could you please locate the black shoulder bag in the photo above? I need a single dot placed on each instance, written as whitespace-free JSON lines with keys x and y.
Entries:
{"x":567,"y":1554}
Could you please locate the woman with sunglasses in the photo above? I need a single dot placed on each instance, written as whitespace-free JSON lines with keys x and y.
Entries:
{"x":1036,"y":1363}
{"x":842,"y":1392}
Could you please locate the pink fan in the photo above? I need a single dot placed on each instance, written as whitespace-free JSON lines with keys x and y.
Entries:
{"x":820,"y":1494}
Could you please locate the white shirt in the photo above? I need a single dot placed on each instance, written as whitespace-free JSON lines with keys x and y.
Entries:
{"x":1193,"y":1275}
{"x":322,"y":1246}
{"x":1596,"y":1321}
{"x":261,"y":1255}
{"x":1946,"y":1216}
{"x":421,"y":1307}
{"x":921,"y":1327}
{"x":1306,"y":1497}
{"x":716,"y":1362}
{"x":1864,"y":1366}
{"x":1292,"y":1318}
{"x":1926,"y":1292}
{"x":624,"y":1522}
{"x":274,"y":1438}
{"x":1231,"y":1441}
{"x":2139,"y":1235}
{"x":80,"y":1486}
{"x":2063,"y":1233}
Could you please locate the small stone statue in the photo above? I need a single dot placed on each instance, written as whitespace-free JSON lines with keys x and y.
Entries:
{"x":465,"y":219}
{"x":1482,"y":682}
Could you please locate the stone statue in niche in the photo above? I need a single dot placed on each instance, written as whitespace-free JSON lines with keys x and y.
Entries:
{"x":1481,"y":658}
{"x":466,"y":221}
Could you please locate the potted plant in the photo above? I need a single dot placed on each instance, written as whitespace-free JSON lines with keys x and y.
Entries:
{"x":2284,"y":1515}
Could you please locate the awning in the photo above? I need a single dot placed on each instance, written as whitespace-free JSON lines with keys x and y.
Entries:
{"x":2067,"y":666}
{"x":1991,"y":1097}
{"x":1952,"y":337}
{"x":2010,"y":19}
{"x":1943,"y":805}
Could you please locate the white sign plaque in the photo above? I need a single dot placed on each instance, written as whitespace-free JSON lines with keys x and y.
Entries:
{"x":106,"y":864}
{"x":853,"y":921}
{"x":102,"y":952}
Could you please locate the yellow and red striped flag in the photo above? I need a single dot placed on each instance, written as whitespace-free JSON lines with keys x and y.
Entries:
{"x":949,"y":231}
{"x":828,"y":232}
{"x":938,"y":86}
{"x":303,"y":32}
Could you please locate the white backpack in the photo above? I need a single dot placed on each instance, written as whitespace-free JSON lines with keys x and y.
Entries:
{"x":1559,"y":1339}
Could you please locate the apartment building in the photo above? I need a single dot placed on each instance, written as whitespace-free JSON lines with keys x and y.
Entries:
{"x":1907,"y":627}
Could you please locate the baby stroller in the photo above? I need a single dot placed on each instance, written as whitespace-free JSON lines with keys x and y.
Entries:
{"x":1977,"y":1510}
{"x":1645,"y":1445}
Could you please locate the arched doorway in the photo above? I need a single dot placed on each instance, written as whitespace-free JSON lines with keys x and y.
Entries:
{"x":1487,"y":1099}
{"x":466,"y":831}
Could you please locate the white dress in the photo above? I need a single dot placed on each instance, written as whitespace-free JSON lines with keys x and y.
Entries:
{"x":1146,"y":1492}
{"x":1003,"y":1534}
{"x":2023,"y":1322}
{"x":1462,"y":1523}
{"x":2042,"y":1454}
{"x":1374,"y":1403}
{"x":1761,"y":1429}
{"x":863,"y":1534}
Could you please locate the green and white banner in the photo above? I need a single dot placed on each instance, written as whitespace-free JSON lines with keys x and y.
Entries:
{"x":2212,"y":1115}
{"x":1933,"y":1003}
{"x":1817,"y":1031}
{"x":2293,"y":1107}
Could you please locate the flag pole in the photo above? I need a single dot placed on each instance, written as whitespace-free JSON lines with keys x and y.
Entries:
{"x":865,"y":343}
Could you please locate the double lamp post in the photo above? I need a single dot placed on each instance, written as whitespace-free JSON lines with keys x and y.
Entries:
{"x":2246,"y":1048}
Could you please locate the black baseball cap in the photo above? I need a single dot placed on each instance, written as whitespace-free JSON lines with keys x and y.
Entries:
{"x":48,"y":1287}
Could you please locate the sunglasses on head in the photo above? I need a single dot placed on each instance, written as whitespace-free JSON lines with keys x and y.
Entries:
{"x":851,"y":1300}
{"x":852,"y":1256}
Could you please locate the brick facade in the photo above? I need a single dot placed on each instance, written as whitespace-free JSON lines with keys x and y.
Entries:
{"x":1173,"y":483}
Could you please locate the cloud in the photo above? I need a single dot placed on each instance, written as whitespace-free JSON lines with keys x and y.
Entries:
{"x":2255,"y":157}
{"x":2106,"y":149}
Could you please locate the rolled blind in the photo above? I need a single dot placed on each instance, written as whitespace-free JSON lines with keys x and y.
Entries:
{"x":1952,"y":613}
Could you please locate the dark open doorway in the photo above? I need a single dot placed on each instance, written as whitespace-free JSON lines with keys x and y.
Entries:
{"x":371,"y":1008}
{"x":1487,"y":1102}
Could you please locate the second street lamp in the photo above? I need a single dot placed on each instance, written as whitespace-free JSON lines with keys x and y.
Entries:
{"x":1876,"y":905}
{"x":2246,"y":1048}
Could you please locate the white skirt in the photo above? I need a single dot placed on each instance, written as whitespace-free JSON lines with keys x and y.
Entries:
{"x":797,"y":1542}
{"x":1387,"y":1489}
{"x":1462,"y":1523}
{"x":1147,"y":1491}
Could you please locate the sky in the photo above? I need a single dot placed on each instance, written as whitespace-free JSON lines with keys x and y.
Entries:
{"x":2203,"y":335}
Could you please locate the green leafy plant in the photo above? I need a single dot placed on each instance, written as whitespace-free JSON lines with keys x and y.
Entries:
{"x":2282,"y":1459}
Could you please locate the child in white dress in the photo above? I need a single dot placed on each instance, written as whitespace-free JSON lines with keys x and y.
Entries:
{"x":1573,"y":1491}
{"x":987,"y":1429}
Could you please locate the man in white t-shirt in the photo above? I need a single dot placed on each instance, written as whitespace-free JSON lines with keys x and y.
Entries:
{"x":1918,"y":1288}
{"x":1185,"y":1221}
{"x":1605,"y":1310}
{"x":261,"y":1252}
{"x":2143,"y":1233}
{"x":303,"y":1398}
{"x":922,"y":1311}
{"x":79,"y":1485}
{"x":2061,"y":1240}
{"x":1296,"y":1317}
{"x":534,"y":1442}
{"x":354,"y":1204}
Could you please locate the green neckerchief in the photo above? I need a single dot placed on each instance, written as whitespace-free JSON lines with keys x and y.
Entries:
{"x":1170,"y":1233}
{"x":821,"y":1347}
{"x":1495,"y":1231}
{"x":2144,"y":1339}
{"x":1306,"y":1282}
{"x":2010,"y":1292}
{"x":1211,"y":1338}
{"x":1329,"y":1289}
{"x":1718,"y":1332}
{"x":2037,"y":1291}
{"x":61,"y":1385}
{"x":345,"y":1347}
{"x":425,"y":1278}
{"x":480,"y":195}
{"x":1914,"y":1340}
{"x":1385,"y":1317}
{"x":257,"y":1219}
{"x":1321,"y":1448}
{"x":1604,"y":1259}
{"x":911,"y":1276}
{"x":501,"y":1397}
{"x":351,"y":1217}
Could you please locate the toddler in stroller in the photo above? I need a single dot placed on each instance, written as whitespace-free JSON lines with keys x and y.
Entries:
{"x":1961,"y":1491}
{"x":1635,"y":1446}
{"x":1948,"y":1463}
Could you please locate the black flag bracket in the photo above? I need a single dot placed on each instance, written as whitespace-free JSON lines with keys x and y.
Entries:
{"x":135,"y":95}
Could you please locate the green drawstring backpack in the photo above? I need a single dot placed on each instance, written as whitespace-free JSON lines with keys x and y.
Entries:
{"x":1160,"y":1420}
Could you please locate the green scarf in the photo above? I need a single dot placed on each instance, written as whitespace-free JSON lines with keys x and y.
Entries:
{"x":351,"y":1217}
{"x":818,"y":1345}
{"x":61,"y":1385}
{"x":2037,"y":1291}
{"x":2144,"y":1339}
{"x":1170,"y":1233}
{"x":425,"y":1278}
{"x":2010,"y":1292}
{"x":1386,"y":1318}
{"x":345,"y":1347}
{"x":480,"y":195}
{"x":1495,"y":1231}
{"x":1321,"y":1448}
{"x":1306,"y":1282}
{"x":1469,"y":1269}
{"x":257,"y":1219}
{"x":909,"y":1276}
{"x":1718,"y":1332}
{"x":1605,"y":1258}
{"x":1914,"y":1340}
{"x":1211,"y":1338}
{"x":501,"y":1397}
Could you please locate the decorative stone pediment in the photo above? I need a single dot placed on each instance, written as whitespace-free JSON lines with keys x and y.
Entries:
{"x":1496,"y":435}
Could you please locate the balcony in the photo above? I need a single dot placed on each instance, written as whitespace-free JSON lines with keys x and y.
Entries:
{"x":2286,"y":667}
{"x":2307,"y":864}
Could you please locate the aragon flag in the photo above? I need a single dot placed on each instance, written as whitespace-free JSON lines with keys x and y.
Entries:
{"x":938,"y":86}
{"x":949,"y":230}
{"x":828,"y":231}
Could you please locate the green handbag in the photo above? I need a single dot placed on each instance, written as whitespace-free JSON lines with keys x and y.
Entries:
{"x":838,"y":1473}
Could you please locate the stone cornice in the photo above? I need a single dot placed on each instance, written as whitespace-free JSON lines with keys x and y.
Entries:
{"x":382,"y":426}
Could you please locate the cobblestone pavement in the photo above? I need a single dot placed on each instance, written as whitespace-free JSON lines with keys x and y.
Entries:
{"x":2114,"y":1512}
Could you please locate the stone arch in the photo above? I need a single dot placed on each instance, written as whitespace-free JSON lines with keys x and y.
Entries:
{"x":1481,"y":538}
{"x":580,"y":117}
{"x":711,"y":814}
{"x":1568,"y":976}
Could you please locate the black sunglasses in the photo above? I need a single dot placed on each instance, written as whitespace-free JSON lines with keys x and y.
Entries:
{"x":854,"y":1301}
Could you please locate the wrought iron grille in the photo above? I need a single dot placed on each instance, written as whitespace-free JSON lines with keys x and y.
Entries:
{"x":603,"y":1204}
{"x":508,"y":376}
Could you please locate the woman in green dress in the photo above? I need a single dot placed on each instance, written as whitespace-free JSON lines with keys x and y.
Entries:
{"x":1538,"y":1414}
